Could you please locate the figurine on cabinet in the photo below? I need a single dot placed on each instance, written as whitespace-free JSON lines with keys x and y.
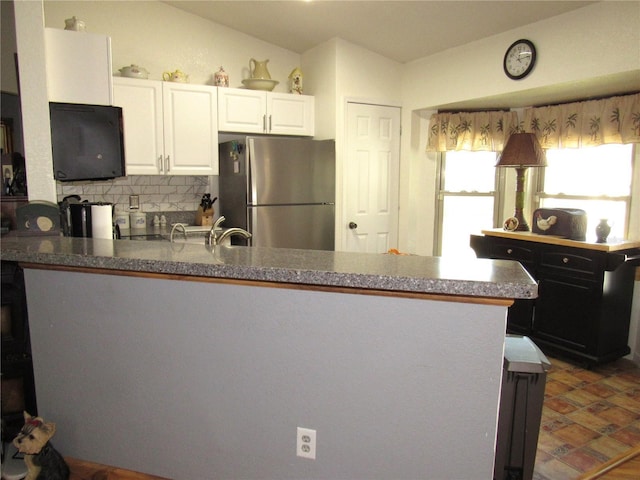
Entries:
{"x":295,"y":81}
{"x":221,"y":78}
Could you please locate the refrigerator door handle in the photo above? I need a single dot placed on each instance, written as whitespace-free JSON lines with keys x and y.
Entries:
{"x":252,"y":226}
{"x":250,"y":168}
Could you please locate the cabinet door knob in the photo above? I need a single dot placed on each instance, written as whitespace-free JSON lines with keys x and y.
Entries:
{"x":565,"y":260}
{"x":509,"y":251}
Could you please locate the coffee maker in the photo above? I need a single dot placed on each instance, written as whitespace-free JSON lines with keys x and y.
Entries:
{"x":76,"y":217}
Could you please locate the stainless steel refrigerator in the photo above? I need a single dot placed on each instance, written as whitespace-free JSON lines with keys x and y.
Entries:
{"x":282,"y":190}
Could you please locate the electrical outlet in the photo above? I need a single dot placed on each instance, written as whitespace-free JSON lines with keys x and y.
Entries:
{"x":134,"y":202}
{"x":306,"y":443}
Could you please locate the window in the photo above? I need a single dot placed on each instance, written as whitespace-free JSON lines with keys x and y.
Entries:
{"x":470,"y":194}
{"x":597,"y":180}
{"x":466,"y":200}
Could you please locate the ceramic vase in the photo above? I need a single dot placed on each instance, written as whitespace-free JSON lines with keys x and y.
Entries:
{"x":602,"y":231}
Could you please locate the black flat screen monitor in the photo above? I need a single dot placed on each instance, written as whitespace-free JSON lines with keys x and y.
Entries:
{"x":87,"y":141}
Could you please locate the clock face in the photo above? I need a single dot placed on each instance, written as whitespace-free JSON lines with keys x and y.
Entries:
{"x":519,"y":59}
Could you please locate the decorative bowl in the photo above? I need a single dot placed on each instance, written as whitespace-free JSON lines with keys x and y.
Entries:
{"x":260,"y":84}
{"x":134,"y":71}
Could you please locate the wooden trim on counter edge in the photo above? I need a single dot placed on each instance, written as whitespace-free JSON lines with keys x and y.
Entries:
{"x":555,"y":240}
{"x":506,"y":302}
{"x":85,"y":470}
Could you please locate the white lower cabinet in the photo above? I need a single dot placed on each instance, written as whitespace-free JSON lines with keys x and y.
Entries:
{"x":169,"y":128}
{"x":256,"y":111}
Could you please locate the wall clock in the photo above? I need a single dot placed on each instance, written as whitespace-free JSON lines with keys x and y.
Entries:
{"x":519,"y":59}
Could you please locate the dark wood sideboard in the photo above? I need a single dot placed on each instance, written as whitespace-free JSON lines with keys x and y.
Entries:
{"x":585,"y":291}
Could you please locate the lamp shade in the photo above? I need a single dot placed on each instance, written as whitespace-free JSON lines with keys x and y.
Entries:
{"x":522,"y":150}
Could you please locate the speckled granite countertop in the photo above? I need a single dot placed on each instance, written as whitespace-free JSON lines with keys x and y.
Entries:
{"x":432,"y":275}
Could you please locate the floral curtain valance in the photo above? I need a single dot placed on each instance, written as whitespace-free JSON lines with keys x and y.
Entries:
{"x":586,"y":124}
{"x":475,"y":131}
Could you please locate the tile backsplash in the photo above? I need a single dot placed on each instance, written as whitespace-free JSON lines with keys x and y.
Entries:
{"x":156,"y":193}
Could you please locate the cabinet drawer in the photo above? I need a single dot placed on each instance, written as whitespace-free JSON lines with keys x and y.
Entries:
{"x":510,"y":251}
{"x":569,"y":262}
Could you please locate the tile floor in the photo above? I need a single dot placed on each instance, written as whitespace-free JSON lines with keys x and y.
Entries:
{"x":589,"y":416}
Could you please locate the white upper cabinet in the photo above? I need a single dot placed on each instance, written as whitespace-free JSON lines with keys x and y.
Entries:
{"x":190,"y":129}
{"x":78,"y":67}
{"x":256,"y":111}
{"x":289,"y":114}
{"x":141,"y":103}
{"x":169,"y":128}
{"x":241,"y":110}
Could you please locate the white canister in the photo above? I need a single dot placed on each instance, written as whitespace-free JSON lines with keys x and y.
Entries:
{"x":138,"y":219}
{"x":121,"y":219}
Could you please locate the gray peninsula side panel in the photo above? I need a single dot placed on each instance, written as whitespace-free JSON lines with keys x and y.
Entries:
{"x":193,"y":380}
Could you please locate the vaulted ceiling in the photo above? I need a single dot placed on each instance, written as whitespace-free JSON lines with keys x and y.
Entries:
{"x":399,"y":30}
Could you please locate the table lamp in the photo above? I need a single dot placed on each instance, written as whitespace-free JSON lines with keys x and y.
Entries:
{"x":522,"y":151}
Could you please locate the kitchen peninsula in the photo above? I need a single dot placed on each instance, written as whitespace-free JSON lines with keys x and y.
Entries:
{"x":198,"y":362}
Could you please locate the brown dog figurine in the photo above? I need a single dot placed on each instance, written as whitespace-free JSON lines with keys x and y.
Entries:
{"x":43,"y":461}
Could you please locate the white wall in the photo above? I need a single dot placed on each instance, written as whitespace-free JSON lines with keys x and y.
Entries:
{"x":599,"y":40}
{"x":320,"y":77}
{"x":34,"y":101}
{"x":594,"y":41}
{"x":161,"y":38}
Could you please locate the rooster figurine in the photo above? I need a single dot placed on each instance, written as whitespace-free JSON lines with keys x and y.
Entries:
{"x":545,"y":224}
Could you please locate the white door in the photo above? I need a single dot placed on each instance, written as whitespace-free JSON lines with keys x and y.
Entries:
{"x":372,"y":177}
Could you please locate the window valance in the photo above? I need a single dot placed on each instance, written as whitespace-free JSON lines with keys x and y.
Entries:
{"x":586,"y":124}
{"x":570,"y":125}
{"x":475,"y":131}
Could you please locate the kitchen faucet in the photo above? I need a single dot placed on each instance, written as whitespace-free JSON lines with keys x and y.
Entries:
{"x":214,"y":227}
{"x":215,"y":239}
{"x":218,"y":239}
{"x":218,"y":222}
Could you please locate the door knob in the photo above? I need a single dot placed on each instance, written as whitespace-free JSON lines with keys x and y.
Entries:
{"x":353,"y":225}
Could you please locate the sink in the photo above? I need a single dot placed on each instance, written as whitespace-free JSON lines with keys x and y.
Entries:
{"x":146,"y":236}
